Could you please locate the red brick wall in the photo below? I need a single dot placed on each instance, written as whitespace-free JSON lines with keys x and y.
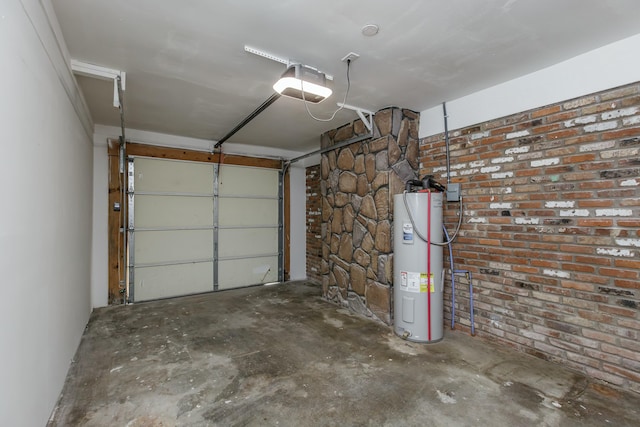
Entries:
{"x":313,"y":222}
{"x":551,"y":230}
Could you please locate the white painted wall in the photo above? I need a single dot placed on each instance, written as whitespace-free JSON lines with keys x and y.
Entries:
{"x":45,"y":238}
{"x":100,"y":242}
{"x":610,"y":66}
{"x":298,"y":250}
{"x":99,"y":278}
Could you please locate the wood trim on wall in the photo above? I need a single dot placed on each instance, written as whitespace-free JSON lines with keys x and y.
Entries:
{"x":143,"y":150}
{"x":116,"y":239}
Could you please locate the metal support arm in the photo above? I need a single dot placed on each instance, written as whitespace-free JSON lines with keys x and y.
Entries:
{"x":368,"y":121}
{"x":104,"y":73}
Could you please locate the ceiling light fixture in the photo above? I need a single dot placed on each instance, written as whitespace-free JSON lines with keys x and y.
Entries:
{"x":303,"y":82}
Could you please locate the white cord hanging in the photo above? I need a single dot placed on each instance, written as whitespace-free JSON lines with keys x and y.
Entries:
{"x":306,"y":106}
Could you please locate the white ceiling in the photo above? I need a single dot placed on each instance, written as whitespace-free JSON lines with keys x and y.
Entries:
{"x":188,"y":73}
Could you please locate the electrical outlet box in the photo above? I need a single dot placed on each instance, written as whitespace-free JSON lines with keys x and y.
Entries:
{"x":351,"y":56}
{"x":453,"y":192}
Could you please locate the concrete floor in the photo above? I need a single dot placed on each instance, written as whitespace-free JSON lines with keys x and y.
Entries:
{"x":280,"y":355}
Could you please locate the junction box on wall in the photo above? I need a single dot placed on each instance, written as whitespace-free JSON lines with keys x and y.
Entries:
{"x":453,"y":192}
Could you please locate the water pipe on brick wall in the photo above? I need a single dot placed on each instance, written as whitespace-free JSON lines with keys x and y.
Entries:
{"x":453,"y":288}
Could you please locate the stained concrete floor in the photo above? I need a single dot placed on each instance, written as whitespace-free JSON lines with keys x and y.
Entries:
{"x":281,"y":356}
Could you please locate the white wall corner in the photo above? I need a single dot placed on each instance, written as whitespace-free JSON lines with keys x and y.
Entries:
{"x":46,"y":25}
{"x":600,"y":69}
{"x":311,"y":160}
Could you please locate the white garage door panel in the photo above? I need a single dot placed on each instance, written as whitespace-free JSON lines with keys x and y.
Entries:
{"x":243,"y":272}
{"x":247,"y":241}
{"x":173,"y":280}
{"x":173,"y":211}
{"x":248,"y":212}
{"x":177,"y":245}
{"x":181,"y":246}
{"x":247,"y":181}
{"x":173,"y":176}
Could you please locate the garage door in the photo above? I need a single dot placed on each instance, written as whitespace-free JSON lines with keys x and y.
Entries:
{"x":200,"y":227}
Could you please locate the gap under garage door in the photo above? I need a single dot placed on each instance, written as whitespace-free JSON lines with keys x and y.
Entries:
{"x":194,"y":229}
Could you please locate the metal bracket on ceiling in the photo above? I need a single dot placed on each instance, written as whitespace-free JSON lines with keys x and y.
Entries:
{"x":266,"y":55}
{"x":104,"y":73}
{"x":368,"y":121}
{"x":275,"y":58}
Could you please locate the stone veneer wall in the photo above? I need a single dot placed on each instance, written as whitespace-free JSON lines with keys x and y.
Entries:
{"x":552,"y":230}
{"x":358,"y":182}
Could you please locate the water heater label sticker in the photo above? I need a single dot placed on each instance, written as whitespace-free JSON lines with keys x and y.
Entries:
{"x":407,"y":233}
{"x":410,"y":281}
{"x":426,"y":283}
